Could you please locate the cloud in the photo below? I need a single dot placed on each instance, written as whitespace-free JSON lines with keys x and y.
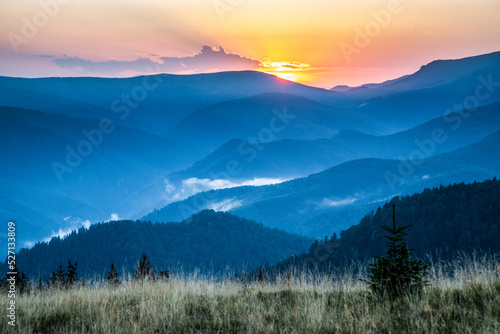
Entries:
{"x":75,"y":224}
{"x":284,"y":65}
{"x":194,"y":185}
{"x":262,"y":181}
{"x":169,"y":186}
{"x":209,"y":59}
{"x":225,"y":205}
{"x":114,"y":216}
{"x":336,"y":203}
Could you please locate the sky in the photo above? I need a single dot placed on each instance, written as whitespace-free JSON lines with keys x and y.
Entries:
{"x":320,"y":43}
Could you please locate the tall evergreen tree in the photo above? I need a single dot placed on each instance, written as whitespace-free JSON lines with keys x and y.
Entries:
{"x":57,"y":278}
{"x":22,"y":284}
{"x":71,"y":274}
{"x":396,"y":273}
{"x":144,"y":269}
{"x":260,"y":277}
{"x":112,"y":278}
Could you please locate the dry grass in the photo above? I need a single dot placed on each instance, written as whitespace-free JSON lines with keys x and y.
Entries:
{"x":464,"y":298}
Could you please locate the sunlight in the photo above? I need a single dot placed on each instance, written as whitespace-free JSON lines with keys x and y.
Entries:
{"x":286,"y":76}
{"x":287,"y":70}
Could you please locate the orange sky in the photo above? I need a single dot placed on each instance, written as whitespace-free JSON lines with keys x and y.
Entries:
{"x":319,"y":43}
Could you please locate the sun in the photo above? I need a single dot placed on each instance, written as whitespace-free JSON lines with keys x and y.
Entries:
{"x":285,"y":70}
{"x":285,"y":76}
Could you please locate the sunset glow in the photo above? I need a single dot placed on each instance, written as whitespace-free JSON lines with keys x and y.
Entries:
{"x":321,"y":44}
{"x":292,"y":71}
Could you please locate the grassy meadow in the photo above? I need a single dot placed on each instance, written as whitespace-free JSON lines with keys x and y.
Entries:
{"x":464,"y":297}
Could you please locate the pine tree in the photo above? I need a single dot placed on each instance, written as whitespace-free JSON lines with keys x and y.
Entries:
{"x":60,"y":273}
{"x":22,"y":284}
{"x":144,"y":269}
{"x":71,"y":275}
{"x":396,"y":273}
{"x":57,"y":279}
{"x":113,"y":276}
{"x":261,"y":278}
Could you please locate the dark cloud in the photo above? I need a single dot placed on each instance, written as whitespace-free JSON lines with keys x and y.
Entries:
{"x":209,"y":59}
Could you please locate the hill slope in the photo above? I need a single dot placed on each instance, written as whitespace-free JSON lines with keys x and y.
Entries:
{"x":59,"y":170}
{"x":287,"y":159}
{"x":364,"y":182}
{"x":458,"y":217}
{"x":208,"y":241}
{"x":264,"y":118}
{"x":437,"y":88}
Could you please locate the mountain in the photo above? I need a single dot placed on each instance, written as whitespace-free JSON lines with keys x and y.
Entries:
{"x":366,"y":182}
{"x":438,"y":88}
{"x":434,"y":74}
{"x":157,"y":103}
{"x":152,"y":103}
{"x":211,"y":242}
{"x":369,"y":89}
{"x":60,"y":171}
{"x":264,"y":118}
{"x":288,"y":159}
{"x":444,"y":221}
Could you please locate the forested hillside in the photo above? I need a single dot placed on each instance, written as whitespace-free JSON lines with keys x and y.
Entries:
{"x":445,"y":221}
{"x":208,"y":241}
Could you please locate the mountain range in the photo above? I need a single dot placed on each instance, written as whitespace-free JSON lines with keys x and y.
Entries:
{"x":289,"y":159}
{"x":78,"y":151}
{"x":295,"y":204}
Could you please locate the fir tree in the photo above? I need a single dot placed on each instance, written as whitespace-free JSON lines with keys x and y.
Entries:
{"x":260,"y":277}
{"x":396,"y":273}
{"x":71,"y":275}
{"x":22,"y":284}
{"x":144,"y":269}
{"x":113,"y":276}
{"x":59,"y":274}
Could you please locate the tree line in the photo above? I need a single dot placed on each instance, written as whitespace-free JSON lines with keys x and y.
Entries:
{"x":68,"y":278}
{"x":445,"y":220}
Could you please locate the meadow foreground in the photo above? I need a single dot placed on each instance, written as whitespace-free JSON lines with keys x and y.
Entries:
{"x":464,"y":297}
